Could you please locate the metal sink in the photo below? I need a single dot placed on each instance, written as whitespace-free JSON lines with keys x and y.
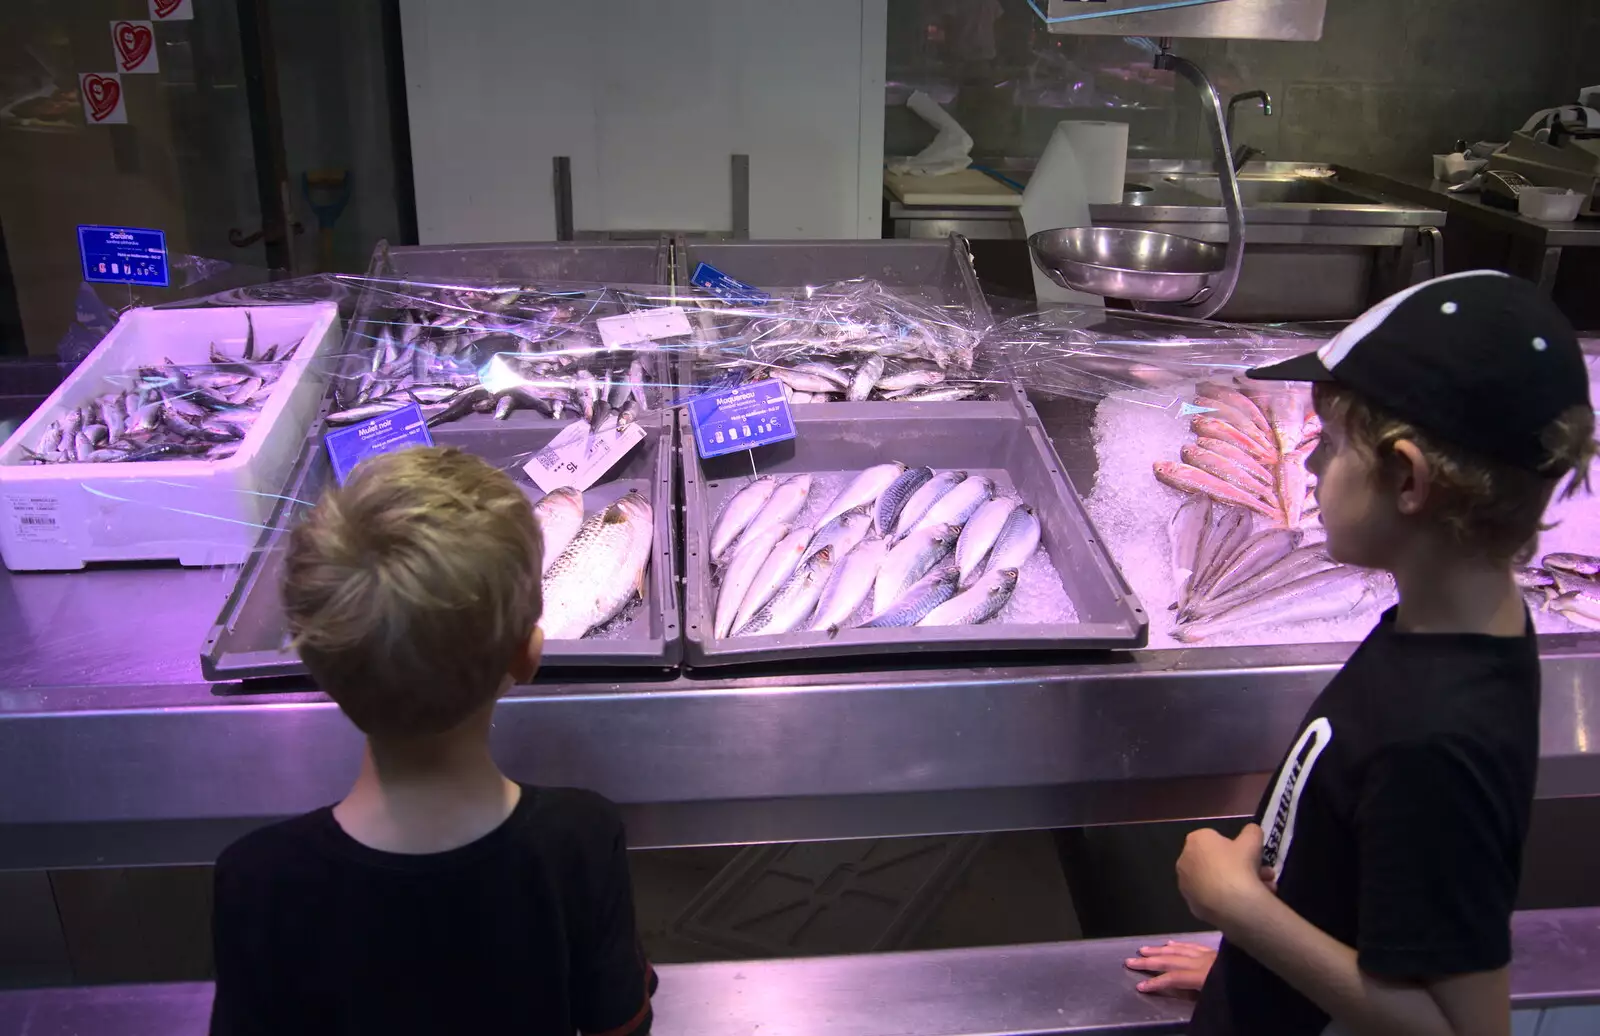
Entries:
{"x":1278,"y":190}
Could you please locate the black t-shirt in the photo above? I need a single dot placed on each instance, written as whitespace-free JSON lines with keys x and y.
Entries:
{"x":1396,"y":821}
{"x":528,"y":930}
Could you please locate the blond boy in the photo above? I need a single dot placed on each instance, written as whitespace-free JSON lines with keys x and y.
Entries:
{"x":438,"y":896}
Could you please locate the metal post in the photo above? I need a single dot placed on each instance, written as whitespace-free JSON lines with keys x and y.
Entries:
{"x":741,"y":197}
{"x":562,"y":188}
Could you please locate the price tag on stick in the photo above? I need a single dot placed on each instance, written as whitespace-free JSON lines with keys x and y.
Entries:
{"x":740,"y":418}
{"x":386,"y":433}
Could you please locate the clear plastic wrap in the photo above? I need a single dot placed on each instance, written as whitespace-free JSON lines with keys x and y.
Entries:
{"x":1143,"y":358}
{"x":850,"y":340}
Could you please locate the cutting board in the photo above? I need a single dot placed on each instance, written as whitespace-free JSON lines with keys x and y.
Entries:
{"x":967,"y":187}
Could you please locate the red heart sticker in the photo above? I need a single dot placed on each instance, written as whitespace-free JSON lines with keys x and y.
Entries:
{"x":103,"y":94}
{"x":166,"y":7}
{"x":133,"y":44}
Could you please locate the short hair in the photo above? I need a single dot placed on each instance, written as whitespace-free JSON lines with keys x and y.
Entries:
{"x":1492,"y":508}
{"x":410,"y":589}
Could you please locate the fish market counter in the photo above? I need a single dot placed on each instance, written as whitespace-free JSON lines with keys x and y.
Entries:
{"x":114,"y":751}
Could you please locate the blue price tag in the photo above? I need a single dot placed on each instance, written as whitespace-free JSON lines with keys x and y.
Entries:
{"x":393,"y":431}
{"x":740,"y":418}
{"x":124,"y":255}
{"x":724,"y":287}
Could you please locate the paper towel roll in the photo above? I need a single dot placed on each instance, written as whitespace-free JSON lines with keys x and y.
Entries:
{"x":1055,"y":198}
{"x":1102,"y":150}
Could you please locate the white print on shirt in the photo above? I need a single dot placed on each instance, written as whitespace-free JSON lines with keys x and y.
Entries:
{"x":1278,"y":821}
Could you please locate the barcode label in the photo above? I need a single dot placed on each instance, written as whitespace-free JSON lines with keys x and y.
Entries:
{"x":36,"y":519}
{"x":578,"y":457}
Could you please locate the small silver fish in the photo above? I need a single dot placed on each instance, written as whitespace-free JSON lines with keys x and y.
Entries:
{"x":852,"y":581}
{"x":866,"y":488}
{"x":929,"y":493}
{"x":910,"y":560}
{"x":738,"y":512}
{"x":794,"y":603}
{"x":1017,"y":541}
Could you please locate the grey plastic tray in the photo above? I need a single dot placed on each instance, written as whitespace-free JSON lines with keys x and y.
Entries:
{"x":939,"y":271}
{"x":532,"y":262}
{"x":250,"y":639}
{"x":1003,"y":440}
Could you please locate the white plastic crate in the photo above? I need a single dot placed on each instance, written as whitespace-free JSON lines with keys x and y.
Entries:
{"x":195,"y":511}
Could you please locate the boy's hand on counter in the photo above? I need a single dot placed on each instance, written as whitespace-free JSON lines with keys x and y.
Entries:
{"x":1179,"y":968}
{"x":1221,"y":877}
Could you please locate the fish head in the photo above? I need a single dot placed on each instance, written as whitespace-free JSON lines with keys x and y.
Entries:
{"x":947,"y":534}
{"x":1006,"y":582}
{"x":633,"y":507}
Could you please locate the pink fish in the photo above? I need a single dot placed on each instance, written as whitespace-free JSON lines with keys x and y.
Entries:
{"x":1215,"y":428}
{"x":1238,"y":400}
{"x":1225,"y":469}
{"x":1239,"y":456}
{"x":1188,"y":479}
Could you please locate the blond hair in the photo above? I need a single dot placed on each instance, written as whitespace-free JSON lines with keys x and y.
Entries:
{"x":410,"y":589}
{"x":1492,"y":508}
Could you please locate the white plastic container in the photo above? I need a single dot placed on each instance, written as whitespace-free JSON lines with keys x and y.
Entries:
{"x":1551,"y":204}
{"x":56,"y":517}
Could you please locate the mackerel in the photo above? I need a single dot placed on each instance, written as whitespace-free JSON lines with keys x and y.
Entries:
{"x":773,"y":573}
{"x":979,"y":604}
{"x":932,"y":590}
{"x":978,"y":536}
{"x":865,"y":489}
{"x":928,"y":494}
{"x":852,"y":581}
{"x":894,"y":498}
{"x":748,"y":559}
{"x":909,"y":560}
{"x":738,"y":512}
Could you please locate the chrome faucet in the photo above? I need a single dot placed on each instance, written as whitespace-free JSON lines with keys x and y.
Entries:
{"x":1249,"y":95}
{"x":1222,"y":288}
{"x":1243,"y":153}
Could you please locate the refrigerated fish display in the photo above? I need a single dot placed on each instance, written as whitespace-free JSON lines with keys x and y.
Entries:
{"x":493,"y":348}
{"x":852,"y":341}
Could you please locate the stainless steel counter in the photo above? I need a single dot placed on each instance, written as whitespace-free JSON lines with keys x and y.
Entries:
{"x":115,"y":751}
{"x":1048,"y":989}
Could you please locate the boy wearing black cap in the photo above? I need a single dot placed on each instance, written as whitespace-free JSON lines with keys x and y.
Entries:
{"x":1450,"y":413}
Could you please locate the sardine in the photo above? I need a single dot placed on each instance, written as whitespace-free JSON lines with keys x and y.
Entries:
{"x":1581,"y":607}
{"x":560,"y":516}
{"x":1575,"y":564}
{"x":919,"y":600}
{"x":1229,"y":531}
{"x":793,"y":604}
{"x":1533,"y":578}
{"x":748,"y":559}
{"x":910,"y":560}
{"x":1331,"y":594}
{"x":843,"y":532}
{"x":865,"y":489}
{"x":601,"y":570}
{"x":945,"y":394}
{"x":804,"y":381}
{"x":773,"y":573}
{"x":852,"y":581}
{"x":979,"y":604}
{"x":1258,"y":554}
{"x":737,"y":514}
{"x":915,"y":378}
{"x":1018,"y":539}
{"x":1185,"y":533}
{"x":866,"y":378}
{"x":978,"y":536}
{"x":924,"y":498}
{"x":787,"y":501}
{"x":893,"y":499}
{"x":1301,"y":563}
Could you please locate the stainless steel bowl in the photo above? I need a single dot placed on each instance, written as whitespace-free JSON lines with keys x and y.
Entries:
{"x":1127,"y":264}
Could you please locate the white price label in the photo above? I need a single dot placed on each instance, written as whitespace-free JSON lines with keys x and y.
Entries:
{"x":577,"y":458}
{"x":647,"y":325}
{"x":37,"y":519}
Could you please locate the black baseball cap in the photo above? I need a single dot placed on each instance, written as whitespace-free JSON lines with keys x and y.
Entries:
{"x":1480,"y":359}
